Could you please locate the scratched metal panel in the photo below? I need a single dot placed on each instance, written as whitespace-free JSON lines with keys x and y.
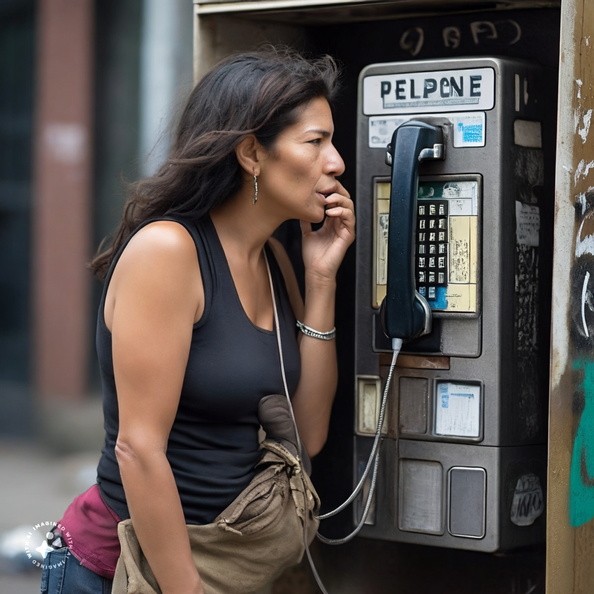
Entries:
{"x":570,"y":539}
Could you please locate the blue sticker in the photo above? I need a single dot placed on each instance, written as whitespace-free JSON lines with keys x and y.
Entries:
{"x":471,"y":133}
{"x":440,"y":301}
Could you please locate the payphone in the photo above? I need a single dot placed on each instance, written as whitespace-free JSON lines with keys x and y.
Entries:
{"x":450,"y":258}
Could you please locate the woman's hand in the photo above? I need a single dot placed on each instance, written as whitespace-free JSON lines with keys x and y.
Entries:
{"x":323,"y":252}
{"x":324,"y":249}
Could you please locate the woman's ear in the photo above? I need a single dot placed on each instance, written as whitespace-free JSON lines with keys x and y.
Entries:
{"x":249,"y":152}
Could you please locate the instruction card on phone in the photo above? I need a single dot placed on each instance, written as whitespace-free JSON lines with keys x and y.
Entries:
{"x":467,"y":129}
{"x":458,"y":409}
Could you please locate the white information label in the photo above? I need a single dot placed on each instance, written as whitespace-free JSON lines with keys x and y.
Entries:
{"x":528,"y":502}
{"x":468,"y":129}
{"x":527,"y":224}
{"x":471,"y":89}
{"x":382,"y":129}
{"x":528,"y":133}
{"x":458,"y":409}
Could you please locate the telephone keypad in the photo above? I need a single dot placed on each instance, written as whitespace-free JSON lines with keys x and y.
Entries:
{"x":431,"y":247}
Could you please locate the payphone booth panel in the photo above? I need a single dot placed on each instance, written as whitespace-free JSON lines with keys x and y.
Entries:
{"x":467,"y":411}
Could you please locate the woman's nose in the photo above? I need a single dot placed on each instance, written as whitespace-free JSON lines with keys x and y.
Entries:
{"x":334,"y":165}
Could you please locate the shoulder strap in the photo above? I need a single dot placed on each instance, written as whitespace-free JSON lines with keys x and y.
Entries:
{"x":291,"y":284}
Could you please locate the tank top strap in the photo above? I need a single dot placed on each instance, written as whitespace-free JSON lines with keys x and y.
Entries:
{"x":219,"y":286}
{"x":214,"y":267}
{"x":207,"y":265}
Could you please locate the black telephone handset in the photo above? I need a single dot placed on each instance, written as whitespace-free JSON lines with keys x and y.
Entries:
{"x":405,"y":313}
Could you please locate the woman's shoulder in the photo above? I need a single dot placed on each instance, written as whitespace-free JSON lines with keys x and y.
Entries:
{"x":159,"y":264}
{"x":162,"y":250}
{"x":163,"y":239}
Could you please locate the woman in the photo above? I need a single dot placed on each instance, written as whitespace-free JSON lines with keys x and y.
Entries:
{"x":185,"y":334}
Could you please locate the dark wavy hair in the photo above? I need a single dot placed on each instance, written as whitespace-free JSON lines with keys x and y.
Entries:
{"x":257,"y":93}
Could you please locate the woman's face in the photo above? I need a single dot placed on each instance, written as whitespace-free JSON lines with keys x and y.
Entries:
{"x":301,"y":167}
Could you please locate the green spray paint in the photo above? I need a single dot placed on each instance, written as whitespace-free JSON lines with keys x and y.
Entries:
{"x":581,"y":477}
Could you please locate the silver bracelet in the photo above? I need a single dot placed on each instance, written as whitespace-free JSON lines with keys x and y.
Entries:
{"x":314,"y":333}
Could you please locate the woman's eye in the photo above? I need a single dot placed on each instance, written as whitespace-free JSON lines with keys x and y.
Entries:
{"x":315,"y":141}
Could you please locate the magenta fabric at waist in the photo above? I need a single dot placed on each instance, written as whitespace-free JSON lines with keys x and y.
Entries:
{"x":91,"y":530}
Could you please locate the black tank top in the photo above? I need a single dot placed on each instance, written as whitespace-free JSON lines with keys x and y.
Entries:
{"x":213,"y":444}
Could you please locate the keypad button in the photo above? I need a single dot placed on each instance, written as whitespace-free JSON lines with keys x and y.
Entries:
{"x":432,"y":246}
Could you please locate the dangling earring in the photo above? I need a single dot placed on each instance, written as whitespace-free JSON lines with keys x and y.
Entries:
{"x":255,"y":198}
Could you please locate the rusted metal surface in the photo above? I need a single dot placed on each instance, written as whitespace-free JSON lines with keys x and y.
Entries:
{"x":570,"y":541}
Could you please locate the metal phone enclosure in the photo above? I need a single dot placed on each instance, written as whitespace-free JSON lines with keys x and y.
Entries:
{"x":464,"y":446}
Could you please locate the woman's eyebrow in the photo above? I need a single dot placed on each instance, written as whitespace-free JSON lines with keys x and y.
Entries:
{"x":320,"y":131}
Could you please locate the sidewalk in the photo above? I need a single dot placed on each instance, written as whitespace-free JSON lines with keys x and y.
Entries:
{"x":36,"y":485}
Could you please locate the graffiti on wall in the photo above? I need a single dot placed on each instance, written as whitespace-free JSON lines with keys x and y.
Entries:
{"x":581,"y":477}
{"x":505,"y":31}
{"x":581,"y":480}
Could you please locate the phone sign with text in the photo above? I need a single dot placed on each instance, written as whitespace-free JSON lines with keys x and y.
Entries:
{"x":423,"y":92}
